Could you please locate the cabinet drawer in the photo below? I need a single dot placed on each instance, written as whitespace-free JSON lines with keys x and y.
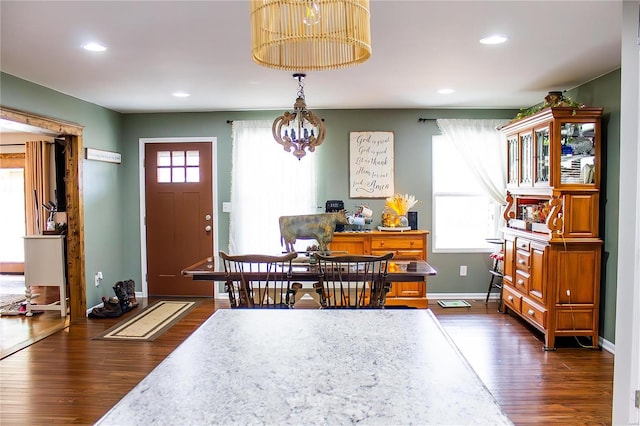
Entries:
{"x":522,"y":244}
{"x":523,"y":262}
{"x":409,"y":289}
{"x":392,"y":244}
{"x":521,"y":282}
{"x":578,"y":319}
{"x":534,"y":313}
{"x":400,"y":254}
{"x":511,"y":298}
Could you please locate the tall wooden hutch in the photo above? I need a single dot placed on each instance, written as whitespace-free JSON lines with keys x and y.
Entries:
{"x":551,"y":243}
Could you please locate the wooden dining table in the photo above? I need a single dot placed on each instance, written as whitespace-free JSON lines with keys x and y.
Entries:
{"x":305,"y":271}
{"x":312,"y":367}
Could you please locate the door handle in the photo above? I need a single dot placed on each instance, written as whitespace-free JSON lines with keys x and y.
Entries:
{"x":207,"y":217}
{"x":208,"y":228}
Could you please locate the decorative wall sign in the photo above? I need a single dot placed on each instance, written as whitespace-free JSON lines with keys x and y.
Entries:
{"x":371,"y":164}
{"x":100,"y":155}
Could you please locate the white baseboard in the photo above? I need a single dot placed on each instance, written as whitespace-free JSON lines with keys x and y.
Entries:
{"x":607,"y":345}
{"x":99,"y":305}
{"x":471,"y":296}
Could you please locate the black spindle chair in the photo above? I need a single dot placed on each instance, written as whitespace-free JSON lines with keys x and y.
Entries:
{"x":260,"y":281}
{"x":353,"y":281}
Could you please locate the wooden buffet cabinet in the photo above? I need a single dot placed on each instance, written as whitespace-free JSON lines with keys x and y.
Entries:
{"x":552,"y":249}
{"x":405,"y":245}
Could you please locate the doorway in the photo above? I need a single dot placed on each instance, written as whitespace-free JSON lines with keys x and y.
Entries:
{"x":178,"y":220}
{"x":72,"y":135}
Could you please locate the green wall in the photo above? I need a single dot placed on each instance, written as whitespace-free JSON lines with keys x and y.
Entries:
{"x":112,"y":191}
{"x":101,"y":182}
{"x":412,"y":172}
{"x":605,"y":92}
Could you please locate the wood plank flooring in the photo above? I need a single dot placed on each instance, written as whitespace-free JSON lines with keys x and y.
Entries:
{"x":67,"y":378}
{"x":18,"y":331}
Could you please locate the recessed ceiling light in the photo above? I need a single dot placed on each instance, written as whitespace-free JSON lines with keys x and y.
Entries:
{"x":94,"y":47}
{"x":446,"y":91}
{"x":181,"y":95}
{"x":494,"y":39}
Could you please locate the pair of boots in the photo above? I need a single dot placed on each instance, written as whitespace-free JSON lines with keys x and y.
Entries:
{"x":110,"y":309}
{"x":126,"y":293}
{"x":124,"y":301}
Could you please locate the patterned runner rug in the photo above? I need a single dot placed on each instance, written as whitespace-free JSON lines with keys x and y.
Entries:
{"x":148,"y":324}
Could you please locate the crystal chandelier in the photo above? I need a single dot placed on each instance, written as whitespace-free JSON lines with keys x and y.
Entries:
{"x":301,"y":129}
{"x":310,"y":35}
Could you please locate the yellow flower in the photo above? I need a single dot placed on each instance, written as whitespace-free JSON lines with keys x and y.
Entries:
{"x":400,"y":204}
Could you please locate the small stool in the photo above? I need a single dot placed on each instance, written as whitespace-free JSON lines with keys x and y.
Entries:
{"x":495,"y":272}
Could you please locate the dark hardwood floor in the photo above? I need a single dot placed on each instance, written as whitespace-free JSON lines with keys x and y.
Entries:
{"x":68,"y":378}
{"x":18,"y":331}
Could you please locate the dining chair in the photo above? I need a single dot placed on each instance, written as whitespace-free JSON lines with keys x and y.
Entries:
{"x":352,"y":281}
{"x":259,"y":280}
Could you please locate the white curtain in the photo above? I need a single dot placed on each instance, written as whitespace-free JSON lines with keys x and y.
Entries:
{"x":266,"y":182}
{"x":482,"y":148}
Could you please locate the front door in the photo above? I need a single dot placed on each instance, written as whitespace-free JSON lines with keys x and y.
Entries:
{"x":178,"y":214}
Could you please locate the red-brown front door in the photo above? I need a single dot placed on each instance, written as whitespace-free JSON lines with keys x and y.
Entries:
{"x":179,"y":215}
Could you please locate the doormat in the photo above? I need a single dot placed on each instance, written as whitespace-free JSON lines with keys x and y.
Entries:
{"x":150,"y":323}
{"x":454,"y":303}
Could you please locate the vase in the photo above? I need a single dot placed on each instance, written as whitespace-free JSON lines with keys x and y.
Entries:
{"x":404,"y":222}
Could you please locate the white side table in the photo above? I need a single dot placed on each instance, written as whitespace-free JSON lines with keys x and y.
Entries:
{"x":44,"y":265}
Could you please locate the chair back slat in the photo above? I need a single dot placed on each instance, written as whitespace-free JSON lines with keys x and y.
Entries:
{"x":259,"y":281}
{"x":352,"y":281}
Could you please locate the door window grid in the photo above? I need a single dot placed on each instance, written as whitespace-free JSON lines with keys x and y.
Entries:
{"x":178,"y":166}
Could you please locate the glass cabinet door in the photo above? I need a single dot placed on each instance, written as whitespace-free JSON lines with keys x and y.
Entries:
{"x":526,"y":159}
{"x":577,"y":165}
{"x":542,"y":157}
{"x":512,"y":160}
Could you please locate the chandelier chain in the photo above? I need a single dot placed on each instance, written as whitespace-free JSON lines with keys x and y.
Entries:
{"x":300,"y":78}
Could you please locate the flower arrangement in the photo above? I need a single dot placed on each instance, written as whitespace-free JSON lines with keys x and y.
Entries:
{"x":400,"y":204}
{"x":396,"y":208}
{"x":553,"y":99}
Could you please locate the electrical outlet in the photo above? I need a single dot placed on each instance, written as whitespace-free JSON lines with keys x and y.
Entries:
{"x":463,"y":270}
{"x":97,"y":278}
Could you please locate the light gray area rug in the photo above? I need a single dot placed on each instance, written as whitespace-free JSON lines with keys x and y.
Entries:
{"x":11,"y":292}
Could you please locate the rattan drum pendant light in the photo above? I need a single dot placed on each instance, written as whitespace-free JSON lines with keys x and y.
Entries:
{"x":310,"y":35}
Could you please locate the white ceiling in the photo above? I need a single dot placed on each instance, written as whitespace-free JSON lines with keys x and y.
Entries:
{"x":202,"y":47}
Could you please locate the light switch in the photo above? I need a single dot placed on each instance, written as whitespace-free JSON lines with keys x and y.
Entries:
{"x":226,"y":207}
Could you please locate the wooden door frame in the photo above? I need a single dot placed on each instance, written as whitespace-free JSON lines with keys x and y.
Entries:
{"x":143,"y":198}
{"x":72,"y":133}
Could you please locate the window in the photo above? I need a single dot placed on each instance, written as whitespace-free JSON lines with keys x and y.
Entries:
{"x":463,"y":214}
{"x":266,"y":182}
{"x":178,"y":166}
{"x":12,"y":228}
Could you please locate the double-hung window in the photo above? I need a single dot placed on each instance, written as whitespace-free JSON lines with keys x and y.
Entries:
{"x":465,"y":213}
